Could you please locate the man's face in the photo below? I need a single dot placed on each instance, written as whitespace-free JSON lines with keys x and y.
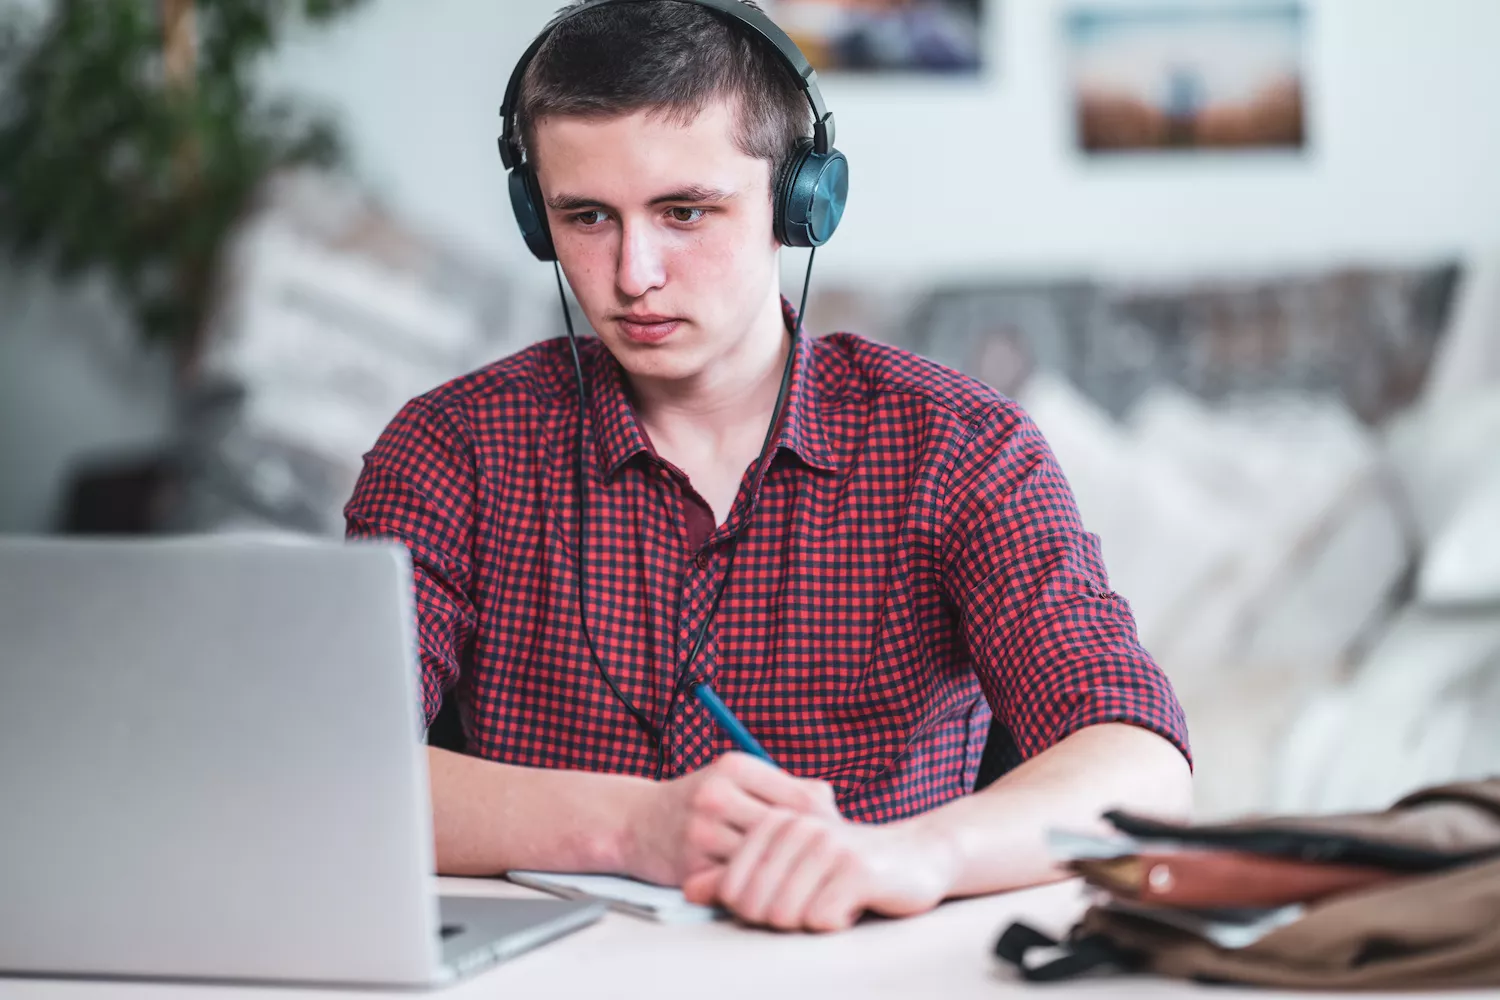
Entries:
{"x":664,"y":232}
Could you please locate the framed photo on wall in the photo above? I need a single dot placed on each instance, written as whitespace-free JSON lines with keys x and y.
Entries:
{"x":886,"y":36}
{"x":1208,"y":75}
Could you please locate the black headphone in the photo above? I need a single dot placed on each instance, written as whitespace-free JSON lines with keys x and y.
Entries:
{"x":810,"y":190}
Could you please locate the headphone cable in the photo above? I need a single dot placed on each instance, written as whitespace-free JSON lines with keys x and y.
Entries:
{"x":654,"y":733}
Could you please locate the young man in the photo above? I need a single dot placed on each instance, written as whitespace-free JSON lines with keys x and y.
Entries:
{"x":910,"y":559}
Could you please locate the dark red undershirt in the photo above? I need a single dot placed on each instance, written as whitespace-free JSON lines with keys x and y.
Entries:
{"x":699,"y":518}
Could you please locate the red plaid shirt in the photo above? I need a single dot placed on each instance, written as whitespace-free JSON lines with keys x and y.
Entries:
{"x":915,"y":557}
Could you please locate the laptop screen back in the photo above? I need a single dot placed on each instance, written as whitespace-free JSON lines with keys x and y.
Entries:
{"x":210,"y":762}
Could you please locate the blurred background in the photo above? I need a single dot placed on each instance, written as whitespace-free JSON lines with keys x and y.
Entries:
{"x":1240,"y":259}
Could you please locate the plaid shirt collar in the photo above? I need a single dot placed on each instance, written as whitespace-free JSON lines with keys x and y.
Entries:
{"x":619,"y":437}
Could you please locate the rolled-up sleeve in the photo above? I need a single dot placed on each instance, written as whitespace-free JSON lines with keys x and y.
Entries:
{"x":417,"y":487}
{"x":1056,"y":650}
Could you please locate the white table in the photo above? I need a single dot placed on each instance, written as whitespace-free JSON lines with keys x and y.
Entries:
{"x":944,"y":954}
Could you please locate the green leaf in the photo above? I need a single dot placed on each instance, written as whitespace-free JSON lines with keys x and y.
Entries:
{"x":104,"y":167}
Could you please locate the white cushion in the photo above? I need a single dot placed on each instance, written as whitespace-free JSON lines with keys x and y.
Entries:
{"x":1463,"y":565}
{"x":1407,"y":718}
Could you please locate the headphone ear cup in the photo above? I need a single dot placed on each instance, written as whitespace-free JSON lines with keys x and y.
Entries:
{"x":811,"y":193}
{"x":782,"y":191}
{"x":531,"y":213}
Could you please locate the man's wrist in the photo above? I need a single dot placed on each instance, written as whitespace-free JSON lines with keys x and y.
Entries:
{"x":623,"y":847}
{"x":935,"y":847}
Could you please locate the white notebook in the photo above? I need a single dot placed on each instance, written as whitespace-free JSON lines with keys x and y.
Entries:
{"x":627,"y":895}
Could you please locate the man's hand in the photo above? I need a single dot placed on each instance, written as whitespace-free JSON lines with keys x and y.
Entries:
{"x":820,"y":873}
{"x":701,"y":820}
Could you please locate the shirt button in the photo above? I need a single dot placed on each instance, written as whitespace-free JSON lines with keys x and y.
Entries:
{"x":702,"y":560}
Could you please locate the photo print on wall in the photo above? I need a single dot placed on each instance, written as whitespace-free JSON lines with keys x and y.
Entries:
{"x":1195,"y":76}
{"x":886,"y":36}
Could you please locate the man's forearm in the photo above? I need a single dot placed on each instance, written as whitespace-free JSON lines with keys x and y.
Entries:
{"x":996,"y":839}
{"x":490,"y":817}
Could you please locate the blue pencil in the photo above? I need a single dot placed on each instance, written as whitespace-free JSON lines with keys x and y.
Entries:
{"x":733,"y":728}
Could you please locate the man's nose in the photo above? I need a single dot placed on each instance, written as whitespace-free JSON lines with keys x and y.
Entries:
{"x":640,"y":267}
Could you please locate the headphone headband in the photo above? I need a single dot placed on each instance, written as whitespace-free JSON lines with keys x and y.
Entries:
{"x":749,"y":17}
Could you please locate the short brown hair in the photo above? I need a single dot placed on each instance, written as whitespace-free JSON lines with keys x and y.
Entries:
{"x":667,"y":58}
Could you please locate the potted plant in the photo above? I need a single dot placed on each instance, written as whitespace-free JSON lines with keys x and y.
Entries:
{"x":134,"y":136}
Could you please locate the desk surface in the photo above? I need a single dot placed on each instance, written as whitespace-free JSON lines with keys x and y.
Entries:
{"x":942,"y":954}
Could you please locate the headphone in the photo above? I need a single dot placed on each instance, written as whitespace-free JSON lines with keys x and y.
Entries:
{"x":810,"y":190}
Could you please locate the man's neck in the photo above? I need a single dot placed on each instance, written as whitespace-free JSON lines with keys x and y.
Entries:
{"x":725,"y":406}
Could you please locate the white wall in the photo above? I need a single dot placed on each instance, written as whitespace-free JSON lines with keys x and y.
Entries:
{"x":1404,"y":159}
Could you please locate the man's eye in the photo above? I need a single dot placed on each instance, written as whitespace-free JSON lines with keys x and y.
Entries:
{"x":687,"y":214}
{"x":590,"y":218}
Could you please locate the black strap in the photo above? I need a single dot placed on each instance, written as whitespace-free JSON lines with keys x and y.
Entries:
{"x":1080,"y":956}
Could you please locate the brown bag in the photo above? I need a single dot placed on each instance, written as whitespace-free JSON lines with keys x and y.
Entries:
{"x":1435,"y":925}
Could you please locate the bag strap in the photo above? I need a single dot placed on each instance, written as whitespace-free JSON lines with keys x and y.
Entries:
{"x":1085,"y":954}
{"x":1483,"y":794}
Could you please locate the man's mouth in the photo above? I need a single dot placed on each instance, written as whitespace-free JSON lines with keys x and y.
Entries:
{"x":647,"y":328}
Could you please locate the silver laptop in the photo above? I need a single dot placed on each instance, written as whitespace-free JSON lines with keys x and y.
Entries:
{"x":211,"y":768}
